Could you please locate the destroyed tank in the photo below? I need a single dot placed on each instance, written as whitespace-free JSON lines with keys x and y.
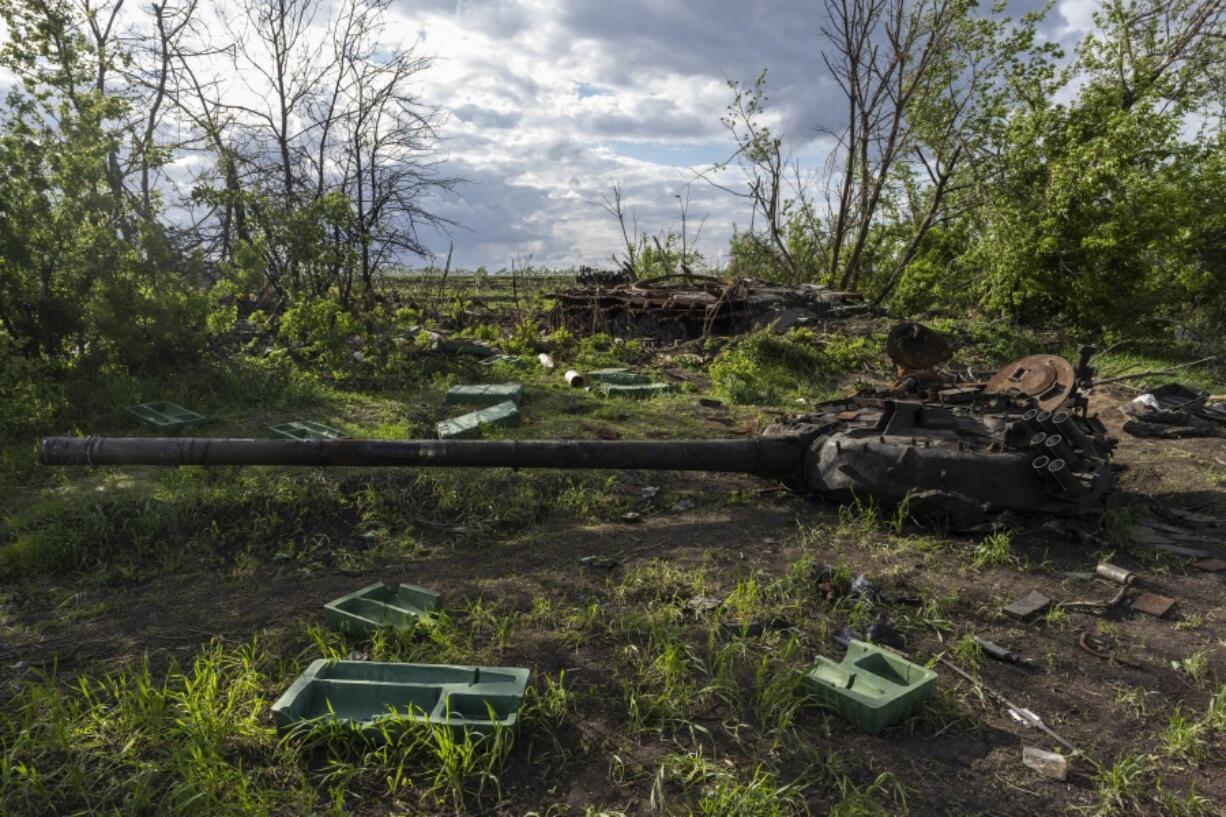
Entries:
{"x":1019,"y":442}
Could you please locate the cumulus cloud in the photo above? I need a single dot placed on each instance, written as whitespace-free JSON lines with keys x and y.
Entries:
{"x":554,"y":101}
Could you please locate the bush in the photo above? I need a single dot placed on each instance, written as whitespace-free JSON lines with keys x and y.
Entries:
{"x":768,"y":368}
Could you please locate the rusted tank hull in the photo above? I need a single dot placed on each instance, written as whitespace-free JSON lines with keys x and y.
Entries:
{"x":681,"y":307}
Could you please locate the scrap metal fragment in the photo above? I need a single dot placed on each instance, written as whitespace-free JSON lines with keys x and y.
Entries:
{"x":1049,"y":379}
{"x":1114,"y":573}
{"x":1029,"y":605}
{"x":999,"y":653}
{"x":1083,"y":641}
{"x":1152,"y":604}
{"x":1179,"y":550}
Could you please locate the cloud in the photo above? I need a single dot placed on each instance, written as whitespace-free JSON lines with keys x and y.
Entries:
{"x":552,"y":102}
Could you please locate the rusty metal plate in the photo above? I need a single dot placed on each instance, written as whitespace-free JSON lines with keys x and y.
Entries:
{"x":1049,"y":379}
{"x":847,"y":416}
{"x":914,"y":346}
{"x":1210,"y":565}
{"x":1152,"y":604}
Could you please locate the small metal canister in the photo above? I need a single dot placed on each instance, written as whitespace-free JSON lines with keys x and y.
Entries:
{"x":1115,"y":574}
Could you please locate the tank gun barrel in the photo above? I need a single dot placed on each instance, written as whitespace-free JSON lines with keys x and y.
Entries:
{"x":777,"y":457}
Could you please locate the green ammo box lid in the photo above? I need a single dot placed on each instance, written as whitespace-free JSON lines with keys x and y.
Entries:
{"x":636,"y":392}
{"x":165,"y":415}
{"x":503,"y":414}
{"x":871,"y":687}
{"x":381,"y":605}
{"x":307,"y":430}
{"x":373,"y":694}
{"x":618,"y":376}
{"x":485,"y":395}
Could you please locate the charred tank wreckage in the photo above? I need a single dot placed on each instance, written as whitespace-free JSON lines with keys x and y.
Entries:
{"x":1018,"y":442}
{"x":683,"y":307}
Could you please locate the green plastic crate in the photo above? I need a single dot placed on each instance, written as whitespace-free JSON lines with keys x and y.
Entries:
{"x":641,"y":392}
{"x":503,"y":414}
{"x":371,"y":694}
{"x":488,"y":394}
{"x":164,"y":415}
{"x":871,"y":687}
{"x":381,"y":605}
{"x":618,"y":377}
{"x":307,"y":430}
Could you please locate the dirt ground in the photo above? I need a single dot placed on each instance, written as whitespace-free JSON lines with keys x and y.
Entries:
{"x":971,"y":765}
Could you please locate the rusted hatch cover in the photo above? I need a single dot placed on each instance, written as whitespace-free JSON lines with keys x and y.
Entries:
{"x":1047,"y":378}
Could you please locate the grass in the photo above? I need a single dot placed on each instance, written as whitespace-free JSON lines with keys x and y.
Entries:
{"x":1182,"y":738}
{"x":637,"y":702}
{"x":768,"y":369}
{"x":994,"y":550}
{"x":1139,"y":359}
{"x":1122,"y":787}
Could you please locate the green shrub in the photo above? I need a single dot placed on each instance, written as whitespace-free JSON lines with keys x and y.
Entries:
{"x":767,"y":368}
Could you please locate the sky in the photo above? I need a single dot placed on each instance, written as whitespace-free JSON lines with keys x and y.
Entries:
{"x":550,"y":103}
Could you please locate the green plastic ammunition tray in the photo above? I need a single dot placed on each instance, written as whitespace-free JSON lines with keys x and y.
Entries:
{"x":871,"y":687}
{"x":308,"y":430}
{"x":374,"y":694}
{"x":164,"y":415}
{"x":502,"y":414}
{"x":485,"y":395}
{"x":381,"y":605}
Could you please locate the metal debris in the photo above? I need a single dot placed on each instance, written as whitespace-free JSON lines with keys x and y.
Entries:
{"x":603,"y":562}
{"x":686,"y":307}
{"x":1114,"y":601}
{"x":1175,"y":411}
{"x":999,"y":653}
{"x":1049,"y":379}
{"x":1152,"y":604}
{"x":1114,"y":573}
{"x":1018,"y":713}
{"x":1029,"y":605}
{"x":1083,"y":642}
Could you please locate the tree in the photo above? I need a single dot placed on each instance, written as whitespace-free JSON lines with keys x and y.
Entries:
{"x":772,"y":182}
{"x":79,"y":271}
{"x":317,"y":121}
{"x":1101,"y":213}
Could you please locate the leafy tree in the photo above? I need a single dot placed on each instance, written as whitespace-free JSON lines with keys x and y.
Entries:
{"x":1102,"y":212}
{"x":79,"y":271}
